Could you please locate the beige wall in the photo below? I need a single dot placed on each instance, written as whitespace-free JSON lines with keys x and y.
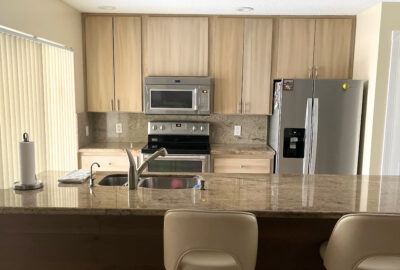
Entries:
{"x":365,"y":68}
{"x":372,"y":62}
{"x":53,"y":20}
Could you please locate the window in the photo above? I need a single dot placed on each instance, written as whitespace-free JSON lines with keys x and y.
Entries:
{"x":37,"y":95}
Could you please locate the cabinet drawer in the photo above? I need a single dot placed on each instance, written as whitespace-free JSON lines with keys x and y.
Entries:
{"x":107,"y":163}
{"x":241,"y":165}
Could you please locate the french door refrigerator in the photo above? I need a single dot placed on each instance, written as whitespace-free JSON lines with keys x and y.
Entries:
{"x":315,"y":126}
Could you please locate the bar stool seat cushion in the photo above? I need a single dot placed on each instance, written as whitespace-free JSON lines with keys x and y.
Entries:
{"x":202,"y":260}
{"x":380,"y":263}
{"x":372,"y":263}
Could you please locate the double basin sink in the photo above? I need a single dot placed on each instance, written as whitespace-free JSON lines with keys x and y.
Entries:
{"x":158,"y":182}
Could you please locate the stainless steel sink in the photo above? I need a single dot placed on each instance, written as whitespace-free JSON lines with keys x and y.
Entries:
{"x":170,"y":182}
{"x":114,"y":180}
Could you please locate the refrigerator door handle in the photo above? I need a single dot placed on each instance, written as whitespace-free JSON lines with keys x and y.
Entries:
{"x":314,"y":136}
{"x":308,"y":141}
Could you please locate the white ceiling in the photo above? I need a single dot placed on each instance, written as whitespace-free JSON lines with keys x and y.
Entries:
{"x":261,"y":7}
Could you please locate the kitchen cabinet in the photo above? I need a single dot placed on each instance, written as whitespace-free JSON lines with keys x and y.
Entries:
{"x":176,"y":46}
{"x":315,"y":48}
{"x":256,"y":92}
{"x":99,"y":63}
{"x":128,"y":65}
{"x":227,"y":64}
{"x":333,"y":48}
{"x":296,"y":48}
{"x":242,"y":164}
{"x":109,"y":160}
{"x":240,"y":61}
{"x":113,"y":63}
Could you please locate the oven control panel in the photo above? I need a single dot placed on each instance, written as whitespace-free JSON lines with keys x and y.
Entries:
{"x":178,"y":128}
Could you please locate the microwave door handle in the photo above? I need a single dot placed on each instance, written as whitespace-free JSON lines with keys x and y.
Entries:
{"x":168,"y":157}
{"x":195,"y":105}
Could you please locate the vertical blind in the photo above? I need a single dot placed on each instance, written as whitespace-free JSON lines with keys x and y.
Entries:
{"x":37,"y":96}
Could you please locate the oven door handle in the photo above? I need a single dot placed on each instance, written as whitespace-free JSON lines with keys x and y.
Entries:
{"x":182,"y":157}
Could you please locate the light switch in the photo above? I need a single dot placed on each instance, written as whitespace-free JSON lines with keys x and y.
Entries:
{"x":87,"y":131}
{"x":118,"y":128}
{"x":238,"y":131}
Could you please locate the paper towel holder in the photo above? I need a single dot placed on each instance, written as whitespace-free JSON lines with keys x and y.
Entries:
{"x":19,"y":185}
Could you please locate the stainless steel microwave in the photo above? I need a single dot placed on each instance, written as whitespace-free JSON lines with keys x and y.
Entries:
{"x":177,"y":95}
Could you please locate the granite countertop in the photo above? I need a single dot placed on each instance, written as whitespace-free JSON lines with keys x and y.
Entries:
{"x":266,"y":195}
{"x":216,"y":149}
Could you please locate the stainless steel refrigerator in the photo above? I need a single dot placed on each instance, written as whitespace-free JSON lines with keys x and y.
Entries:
{"x":315,"y":126}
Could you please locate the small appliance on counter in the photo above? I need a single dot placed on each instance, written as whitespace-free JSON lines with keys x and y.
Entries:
{"x":187,"y":143}
{"x":177,"y":95}
{"x":28,"y":180}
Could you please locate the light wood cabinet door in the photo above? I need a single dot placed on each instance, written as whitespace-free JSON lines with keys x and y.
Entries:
{"x":99,"y":63}
{"x":296,"y":48}
{"x":241,"y":165}
{"x":127,"y":64}
{"x":333,"y":48}
{"x":227,"y":63}
{"x":256,"y":95}
{"x":176,"y":46}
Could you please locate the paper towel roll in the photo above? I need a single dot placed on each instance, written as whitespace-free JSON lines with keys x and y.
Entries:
{"x":27,"y":163}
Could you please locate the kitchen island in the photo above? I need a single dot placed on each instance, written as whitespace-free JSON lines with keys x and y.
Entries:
{"x":74,"y":226}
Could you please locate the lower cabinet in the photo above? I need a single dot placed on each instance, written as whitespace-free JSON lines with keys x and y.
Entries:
{"x":242,"y":164}
{"x":109,"y":161}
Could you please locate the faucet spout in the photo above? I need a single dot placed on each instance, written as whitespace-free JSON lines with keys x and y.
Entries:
{"x":134,"y":173}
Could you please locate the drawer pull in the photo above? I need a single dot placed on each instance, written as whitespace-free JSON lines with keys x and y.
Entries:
{"x":242,"y":166}
{"x":109,"y":163}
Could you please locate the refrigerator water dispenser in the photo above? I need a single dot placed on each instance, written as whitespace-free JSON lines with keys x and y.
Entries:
{"x":293,"y":143}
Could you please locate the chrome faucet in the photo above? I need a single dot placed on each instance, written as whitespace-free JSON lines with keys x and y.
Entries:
{"x":133,"y":173}
{"x":91,"y":184}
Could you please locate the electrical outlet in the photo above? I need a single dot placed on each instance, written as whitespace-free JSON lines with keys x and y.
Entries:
{"x":87,"y":131}
{"x":118,"y":128}
{"x":238,"y":131}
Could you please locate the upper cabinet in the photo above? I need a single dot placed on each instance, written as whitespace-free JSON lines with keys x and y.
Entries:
{"x":256,"y":95}
{"x":128,"y":65}
{"x":226,"y":58}
{"x":333,"y":48}
{"x":315,"y":48}
{"x":99,"y":63}
{"x":296,"y":48}
{"x":240,"y":61}
{"x":113,"y":63}
{"x":175,"y":46}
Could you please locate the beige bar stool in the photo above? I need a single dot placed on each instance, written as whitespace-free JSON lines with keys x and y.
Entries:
{"x":219,"y":240}
{"x":363,"y":242}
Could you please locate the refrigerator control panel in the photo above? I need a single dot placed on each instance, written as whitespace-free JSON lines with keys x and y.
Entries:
{"x":293,"y":142}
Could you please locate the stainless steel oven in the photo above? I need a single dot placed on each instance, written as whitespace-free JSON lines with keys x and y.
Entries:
{"x":177,"y":95}
{"x":179,"y":163}
{"x":187,"y":143}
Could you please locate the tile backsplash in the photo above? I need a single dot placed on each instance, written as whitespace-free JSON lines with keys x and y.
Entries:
{"x":134,"y":127}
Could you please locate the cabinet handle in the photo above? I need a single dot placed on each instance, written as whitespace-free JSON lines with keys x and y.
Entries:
{"x":242,"y":166}
{"x":112,"y":105}
{"x":316,"y":72}
{"x":310,"y":72}
{"x":118,"y":105}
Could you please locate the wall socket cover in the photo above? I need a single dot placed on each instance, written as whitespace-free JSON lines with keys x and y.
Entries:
{"x":87,"y":131}
{"x":238,"y":131}
{"x":118,"y":128}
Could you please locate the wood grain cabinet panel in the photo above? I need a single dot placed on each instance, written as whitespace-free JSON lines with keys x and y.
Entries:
{"x":256,"y":95}
{"x":128,"y":64}
{"x":333,"y":48}
{"x":241,"y":165}
{"x":108,"y":161}
{"x":227,"y":63}
{"x":296,"y":48}
{"x":99,"y":63}
{"x":176,"y":46}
